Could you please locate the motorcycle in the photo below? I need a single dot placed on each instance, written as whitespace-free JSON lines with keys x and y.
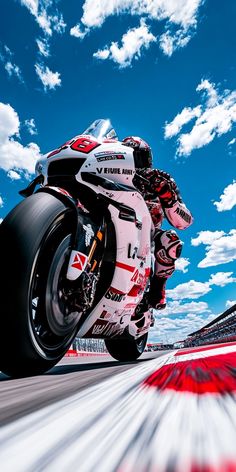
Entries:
{"x":76,"y":256}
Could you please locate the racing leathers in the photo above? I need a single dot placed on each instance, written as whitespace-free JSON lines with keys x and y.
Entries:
{"x":164,"y":201}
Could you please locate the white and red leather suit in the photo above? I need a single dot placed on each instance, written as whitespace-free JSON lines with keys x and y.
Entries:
{"x":164,"y":201}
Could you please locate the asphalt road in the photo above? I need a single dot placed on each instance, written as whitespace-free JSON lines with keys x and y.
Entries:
{"x":18,"y":397}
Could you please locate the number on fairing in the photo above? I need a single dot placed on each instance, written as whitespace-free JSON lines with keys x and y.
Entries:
{"x":85,"y":145}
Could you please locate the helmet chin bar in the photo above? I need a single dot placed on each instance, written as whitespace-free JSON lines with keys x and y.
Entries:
{"x":142,"y":152}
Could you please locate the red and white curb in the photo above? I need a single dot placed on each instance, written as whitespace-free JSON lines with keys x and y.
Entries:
{"x":176,"y":413}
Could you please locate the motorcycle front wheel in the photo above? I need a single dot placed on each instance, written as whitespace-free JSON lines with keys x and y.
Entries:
{"x":37,"y":324}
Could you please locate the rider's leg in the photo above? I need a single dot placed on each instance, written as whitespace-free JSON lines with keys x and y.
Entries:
{"x":167,"y":249}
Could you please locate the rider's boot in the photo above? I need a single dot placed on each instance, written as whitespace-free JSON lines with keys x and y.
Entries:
{"x":157,"y":292}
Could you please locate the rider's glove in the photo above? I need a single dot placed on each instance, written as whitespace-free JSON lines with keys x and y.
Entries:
{"x":166,"y":188}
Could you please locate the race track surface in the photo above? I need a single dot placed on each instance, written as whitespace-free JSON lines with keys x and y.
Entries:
{"x":172,"y":413}
{"x":22,"y":396}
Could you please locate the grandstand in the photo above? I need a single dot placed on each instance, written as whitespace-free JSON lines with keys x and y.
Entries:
{"x":221,"y":329}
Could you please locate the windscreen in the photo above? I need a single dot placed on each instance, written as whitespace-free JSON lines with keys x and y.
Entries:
{"x":101,"y":129}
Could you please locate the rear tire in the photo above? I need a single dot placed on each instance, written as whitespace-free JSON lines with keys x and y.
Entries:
{"x":34,"y":240}
{"x":126,"y":349}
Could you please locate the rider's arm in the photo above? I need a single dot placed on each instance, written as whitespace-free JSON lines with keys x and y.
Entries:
{"x":175,"y":210}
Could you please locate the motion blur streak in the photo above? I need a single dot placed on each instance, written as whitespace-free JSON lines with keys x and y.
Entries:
{"x":152,"y":418}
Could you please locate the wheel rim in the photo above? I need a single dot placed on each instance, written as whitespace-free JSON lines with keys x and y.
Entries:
{"x":52,"y":326}
{"x":140,"y":343}
{"x":60,"y":319}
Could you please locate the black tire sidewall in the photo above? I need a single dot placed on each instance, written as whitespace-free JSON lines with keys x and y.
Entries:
{"x":22,"y":237}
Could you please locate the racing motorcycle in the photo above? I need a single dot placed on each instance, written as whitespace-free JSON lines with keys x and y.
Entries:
{"x":76,"y":256}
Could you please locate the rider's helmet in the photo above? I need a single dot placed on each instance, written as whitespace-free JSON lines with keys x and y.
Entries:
{"x":142,"y":151}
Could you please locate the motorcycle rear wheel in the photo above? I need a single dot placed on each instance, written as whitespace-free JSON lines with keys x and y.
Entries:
{"x":34,"y":242}
{"x":126,"y":349}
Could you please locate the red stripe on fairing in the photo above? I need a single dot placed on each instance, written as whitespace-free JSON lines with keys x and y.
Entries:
{"x":215,"y":375}
{"x":125,"y":266}
{"x":202,"y":348}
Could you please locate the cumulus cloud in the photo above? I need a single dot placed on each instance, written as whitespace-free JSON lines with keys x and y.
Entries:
{"x":77,"y":33}
{"x":221,"y":279}
{"x":49,"y":79}
{"x":176,"y":307}
{"x":180,"y":12}
{"x":132,"y":44}
{"x":169,"y":41}
{"x":169,"y":329}
{"x":230,"y":303}
{"x":206,"y":237}
{"x":191,"y":289}
{"x":13,"y":175}
{"x":13,"y":155}
{"x":181,"y":264}
{"x":186,"y":115}
{"x":214,"y":117}
{"x":1,"y":201}
{"x":179,"y":20}
{"x":228,"y":198}
{"x":12,"y":69}
{"x":194,"y":289}
{"x":1,"y":220}
{"x":46,"y":15}
{"x":220,"y":247}
{"x":31,"y":126}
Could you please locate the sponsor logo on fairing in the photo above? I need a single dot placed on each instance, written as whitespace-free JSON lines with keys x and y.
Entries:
{"x":115,"y":296}
{"x":79,"y":261}
{"x":111,"y":157}
{"x":107,"y":329}
{"x":114,"y":170}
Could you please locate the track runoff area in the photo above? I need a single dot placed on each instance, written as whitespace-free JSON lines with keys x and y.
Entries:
{"x":173,"y":413}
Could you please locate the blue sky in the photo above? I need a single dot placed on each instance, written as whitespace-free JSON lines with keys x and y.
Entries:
{"x":161,"y":69}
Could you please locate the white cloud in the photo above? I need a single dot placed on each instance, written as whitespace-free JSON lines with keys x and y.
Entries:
{"x":179,"y":19}
{"x":233,"y":141}
{"x":228,"y":198}
{"x":186,"y":115}
{"x":221,"y":279}
{"x":194,"y":289}
{"x":217,"y":116}
{"x":77,"y":33}
{"x":230,"y":303}
{"x":206,"y":237}
{"x":177,"y":329}
{"x":6,"y":57}
{"x":191,"y":290}
{"x":132,"y":43}
{"x":220,"y":248}
{"x":176,"y":307}
{"x":49,"y":79}
{"x":1,"y":201}
{"x":180,"y":12}
{"x":43,"y":46}
{"x":13,"y":175}
{"x":1,"y":220}
{"x":210,"y":92}
{"x":169,"y":42}
{"x":31,"y":126}
{"x":181,"y":264}
{"x":46,"y":15}
{"x":13,"y":155}
{"x":58,"y":23}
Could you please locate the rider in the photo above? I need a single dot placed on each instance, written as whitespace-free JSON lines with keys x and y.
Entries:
{"x":163,"y":200}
